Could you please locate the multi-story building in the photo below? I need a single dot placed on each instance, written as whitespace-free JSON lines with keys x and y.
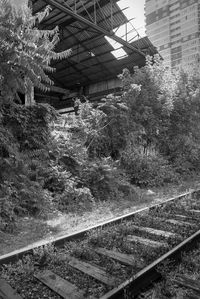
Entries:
{"x":18,"y":3}
{"x":173,"y":26}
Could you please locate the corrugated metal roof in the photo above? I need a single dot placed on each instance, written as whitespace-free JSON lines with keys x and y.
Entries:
{"x":91,"y":60}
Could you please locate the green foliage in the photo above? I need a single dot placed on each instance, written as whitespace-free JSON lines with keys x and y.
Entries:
{"x":74,"y":199}
{"x":149,"y":104}
{"x":91,"y":123}
{"x":182,"y":137}
{"x":83,"y":135}
{"x":29,"y":126}
{"x":150,"y":129}
{"x":78,"y":150}
{"x":163,"y":120}
{"x":99,"y":176}
{"x":25,"y":51}
{"x":149,"y":101}
{"x":146,"y":169}
{"x":24,"y":142}
{"x":146,"y":137}
{"x":82,"y":150}
{"x":116,"y":128}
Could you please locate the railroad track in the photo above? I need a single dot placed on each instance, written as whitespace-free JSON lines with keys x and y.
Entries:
{"x":178,"y":280}
{"x":186,"y":288}
{"x":116,"y":259}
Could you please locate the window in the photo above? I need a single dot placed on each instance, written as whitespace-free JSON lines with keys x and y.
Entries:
{"x":118,"y":51}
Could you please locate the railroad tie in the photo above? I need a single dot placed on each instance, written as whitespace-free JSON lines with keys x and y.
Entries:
{"x":180,"y":217}
{"x":147,"y":242}
{"x":156,"y":232}
{"x":93,"y":271}
{"x":59,"y":285}
{"x":7,"y":292}
{"x":181,"y":223}
{"x":195,"y":212}
{"x":176,"y":219}
{"x":188,"y":283}
{"x":123,"y":258}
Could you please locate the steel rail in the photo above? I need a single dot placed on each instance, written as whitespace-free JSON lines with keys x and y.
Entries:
{"x":59,"y":241}
{"x":149,"y":274}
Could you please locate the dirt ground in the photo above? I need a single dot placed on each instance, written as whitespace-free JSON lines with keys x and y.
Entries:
{"x":31,"y":230}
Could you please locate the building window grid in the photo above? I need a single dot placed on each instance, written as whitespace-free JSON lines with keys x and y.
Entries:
{"x":175,"y":22}
{"x":157,"y":30}
{"x":175,"y":29}
{"x":175,"y":16}
{"x":175,"y":35}
{"x":185,"y":16}
{"x":190,"y":31}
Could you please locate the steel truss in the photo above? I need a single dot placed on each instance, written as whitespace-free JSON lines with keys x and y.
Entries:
{"x":91,"y":19}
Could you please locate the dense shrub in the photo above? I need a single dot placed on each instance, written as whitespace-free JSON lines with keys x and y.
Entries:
{"x":74,"y":199}
{"x":163,"y":123}
{"x":26,"y":51}
{"x":99,"y":176}
{"x":146,"y":169}
{"x":29,"y":126}
{"x":181,"y":140}
{"x":116,"y":127}
{"x":24,"y":142}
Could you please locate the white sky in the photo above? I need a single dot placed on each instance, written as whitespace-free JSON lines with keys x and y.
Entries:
{"x":136,"y":11}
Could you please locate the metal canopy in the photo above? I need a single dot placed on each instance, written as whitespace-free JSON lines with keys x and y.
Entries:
{"x":83,"y":25}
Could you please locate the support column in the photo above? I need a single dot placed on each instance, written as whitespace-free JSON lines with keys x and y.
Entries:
{"x":29,"y":96}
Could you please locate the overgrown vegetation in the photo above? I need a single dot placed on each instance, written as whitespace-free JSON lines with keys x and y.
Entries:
{"x":25,"y":51}
{"x":162,"y":142}
{"x":188,"y":266}
{"x":146,"y":137}
{"x":25,"y":57}
{"x":117,"y":238}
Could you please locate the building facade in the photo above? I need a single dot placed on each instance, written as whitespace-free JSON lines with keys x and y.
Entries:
{"x":173,"y":26}
{"x":18,"y":3}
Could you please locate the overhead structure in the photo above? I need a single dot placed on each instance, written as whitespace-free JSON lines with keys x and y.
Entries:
{"x":86,"y":27}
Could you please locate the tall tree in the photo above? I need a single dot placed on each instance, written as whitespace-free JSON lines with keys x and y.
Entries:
{"x":26,"y":52}
{"x":149,"y":96}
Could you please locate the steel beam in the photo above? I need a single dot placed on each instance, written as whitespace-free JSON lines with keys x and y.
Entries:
{"x":118,"y":68}
{"x":99,"y":29}
{"x":84,"y":61}
{"x":45,"y":26}
{"x":88,"y":49}
{"x":83,"y":12}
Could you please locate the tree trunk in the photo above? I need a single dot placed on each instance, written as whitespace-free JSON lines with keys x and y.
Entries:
{"x":29,"y":96}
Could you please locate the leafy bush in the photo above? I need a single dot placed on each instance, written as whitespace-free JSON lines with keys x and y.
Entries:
{"x":24,"y":143}
{"x":146,"y":169}
{"x":29,"y":126}
{"x":92,"y":123}
{"x":116,"y":127}
{"x":26,"y":51}
{"x":163,"y":123}
{"x":181,"y":140}
{"x":74,"y":199}
{"x":148,"y":94}
{"x":7,"y":215}
{"x":101,"y":178}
